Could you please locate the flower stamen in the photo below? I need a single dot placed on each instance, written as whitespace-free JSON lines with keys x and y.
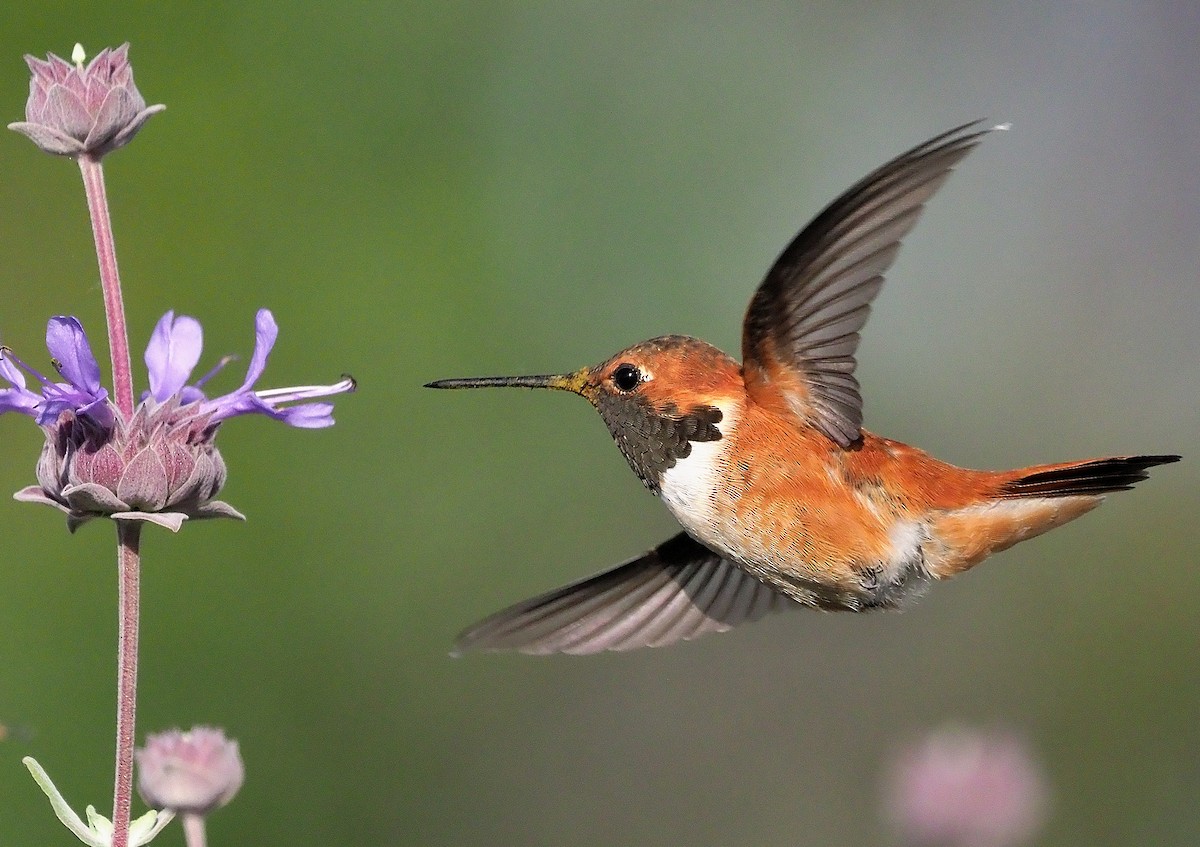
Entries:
{"x":216,"y":369}
{"x":304,"y":392}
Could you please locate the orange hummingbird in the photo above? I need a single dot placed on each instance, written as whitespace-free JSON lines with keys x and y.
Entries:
{"x":784,"y":499}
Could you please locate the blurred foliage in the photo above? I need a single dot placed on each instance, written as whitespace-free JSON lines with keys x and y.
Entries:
{"x":452,"y":189}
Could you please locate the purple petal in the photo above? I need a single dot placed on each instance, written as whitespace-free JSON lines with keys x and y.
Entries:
{"x":305,"y":416}
{"x":172,"y":353}
{"x":59,"y":397}
{"x":99,"y":410}
{"x":18,"y":400}
{"x":245,"y":400}
{"x":53,"y":406}
{"x":265,"y":333}
{"x":11,"y":372}
{"x":238,"y":403}
{"x":68,"y":344}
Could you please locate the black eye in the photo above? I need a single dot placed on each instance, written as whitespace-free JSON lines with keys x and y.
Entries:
{"x":626,"y":377}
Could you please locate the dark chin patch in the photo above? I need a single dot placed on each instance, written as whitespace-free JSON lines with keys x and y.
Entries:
{"x":654,"y":439}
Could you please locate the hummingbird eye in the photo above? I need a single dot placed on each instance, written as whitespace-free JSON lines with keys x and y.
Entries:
{"x":626,"y":377}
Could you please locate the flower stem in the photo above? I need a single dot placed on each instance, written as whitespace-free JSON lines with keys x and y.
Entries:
{"x":110,"y":281}
{"x":193,"y":831}
{"x":128,"y":565}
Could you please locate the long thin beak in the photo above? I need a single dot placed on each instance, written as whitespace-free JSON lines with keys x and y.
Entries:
{"x":573,"y":382}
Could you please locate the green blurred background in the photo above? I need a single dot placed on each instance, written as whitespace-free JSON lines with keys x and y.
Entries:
{"x":453,"y":189}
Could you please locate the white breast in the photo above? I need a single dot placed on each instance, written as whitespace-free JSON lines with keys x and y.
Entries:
{"x":689,"y":488}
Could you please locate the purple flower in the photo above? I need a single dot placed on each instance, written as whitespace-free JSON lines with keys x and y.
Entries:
{"x":162,"y":464}
{"x":73,"y":110}
{"x":966,"y":788}
{"x":72,"y":357}
{"x":191,"y":772}
{"x":17,"y":398}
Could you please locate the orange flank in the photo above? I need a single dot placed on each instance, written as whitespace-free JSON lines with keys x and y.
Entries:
{"x":784,"y":499}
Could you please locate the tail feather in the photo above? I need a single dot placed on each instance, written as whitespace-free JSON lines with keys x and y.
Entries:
{"x":1025,"y":504}
{"x":1095,"y":476}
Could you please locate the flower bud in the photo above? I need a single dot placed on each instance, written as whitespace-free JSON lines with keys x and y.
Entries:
{"x":966,"y":788}
{"x":73,"y":110}
{"x":191,"y":772}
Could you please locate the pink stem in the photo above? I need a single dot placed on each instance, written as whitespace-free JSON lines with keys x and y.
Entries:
{"x":128,"y":564}
{"x":193,"y":830}
{"x":110,"y":282}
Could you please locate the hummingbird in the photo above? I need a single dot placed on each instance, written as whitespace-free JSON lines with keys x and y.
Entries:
{"x":784,"y":499}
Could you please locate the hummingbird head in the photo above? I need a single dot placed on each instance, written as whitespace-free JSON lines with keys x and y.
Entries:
{"x":656,"y":398}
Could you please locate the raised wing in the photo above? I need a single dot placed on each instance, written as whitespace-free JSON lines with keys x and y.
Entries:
{"x":678,"y":591}
{"x":801,"y":329}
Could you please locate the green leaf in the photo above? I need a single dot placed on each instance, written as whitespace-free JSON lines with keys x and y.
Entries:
{"x":64,"y":812}
{"x":98,"y":831}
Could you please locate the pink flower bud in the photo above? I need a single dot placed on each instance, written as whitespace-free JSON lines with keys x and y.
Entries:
{"x":191,"y":772}
{"x":966,"y":788}
{"x":73,"y":110}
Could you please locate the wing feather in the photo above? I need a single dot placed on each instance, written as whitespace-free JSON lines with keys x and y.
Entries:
{"x":678,"y":591}
{"x":802,"y":327}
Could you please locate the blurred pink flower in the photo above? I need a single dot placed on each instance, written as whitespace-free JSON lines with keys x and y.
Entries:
{"x":191,"y":772}
{"x":959,"y":787}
